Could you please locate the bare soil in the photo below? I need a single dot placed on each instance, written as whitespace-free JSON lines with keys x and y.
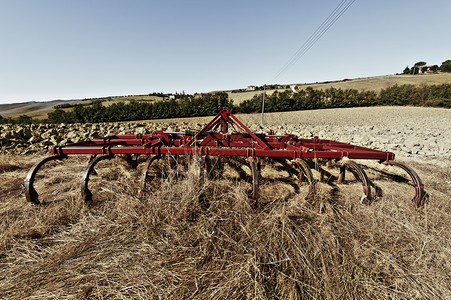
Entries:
{"x":412,"y":133}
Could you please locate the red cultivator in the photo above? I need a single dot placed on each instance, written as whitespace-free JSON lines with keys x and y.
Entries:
{"x":226,"y":136}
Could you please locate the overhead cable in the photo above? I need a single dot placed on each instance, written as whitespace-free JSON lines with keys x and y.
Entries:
{"x":333,"y":17}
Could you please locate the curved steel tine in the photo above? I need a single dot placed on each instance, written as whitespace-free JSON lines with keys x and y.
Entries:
{"x":85,"y":192}
{"x":215,"y":168}
{"x":91,"y":157}
{"x":306,"y":172}
{"x":366,"y":197}
{"x":219,"y":168}
{"x":420,"y":193}
{"x":341,"y":177}
{"x":93,"y":172}
{"x":149,"y":162}
{"x":132,"y":160}
{"x":202,"y":164}
{"x":209,"y":167}
{"x":30,"y":193}
{"x":255,"y":168}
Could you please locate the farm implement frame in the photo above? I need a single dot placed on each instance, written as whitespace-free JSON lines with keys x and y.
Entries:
{"x":226,"y":136}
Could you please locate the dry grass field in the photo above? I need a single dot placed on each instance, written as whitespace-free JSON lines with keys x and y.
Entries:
{"x":182,"y":239}
{"x":36,"y":110}
{"x":380,"y":82}
{"x":362,"y":84}
{"x":127,"y":99}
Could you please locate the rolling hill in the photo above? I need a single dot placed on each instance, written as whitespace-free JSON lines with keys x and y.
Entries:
{"x":39,"y":110}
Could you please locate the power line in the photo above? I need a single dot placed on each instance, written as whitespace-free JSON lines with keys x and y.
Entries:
{"x":324,"y":31}
{"x":293,"y":58}
{"x":333,"y":17}
{"x":319,"y":32}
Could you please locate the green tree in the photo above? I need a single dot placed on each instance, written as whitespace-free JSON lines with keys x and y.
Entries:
{"x":57,"y":116}
{"x":434,"y":68}
{"x":420,"y":64}
{"x":446,"y":66}
{"x":406,"y":70}
{"x":24,"y":119}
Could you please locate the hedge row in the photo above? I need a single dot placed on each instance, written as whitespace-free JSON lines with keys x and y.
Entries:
{"x":432,"y":95}
{"x":209,"y":104}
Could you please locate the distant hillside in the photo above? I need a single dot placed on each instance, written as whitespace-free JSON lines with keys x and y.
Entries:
{"x":39,"y":110}
{"x":33,"y":109}
{"x":369,"y":84}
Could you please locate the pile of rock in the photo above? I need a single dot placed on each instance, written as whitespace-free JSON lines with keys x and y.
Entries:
{"x":404,"y":141}
{"x":33,"y":139}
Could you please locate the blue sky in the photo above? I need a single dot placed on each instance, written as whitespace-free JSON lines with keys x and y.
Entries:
{"x":61,"y":49}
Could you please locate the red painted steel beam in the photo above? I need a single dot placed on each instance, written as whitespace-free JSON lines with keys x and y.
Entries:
{"x":246,"y":152}
{"x":206,"y":142}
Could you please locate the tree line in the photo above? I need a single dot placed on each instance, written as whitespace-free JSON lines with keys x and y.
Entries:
{"x":420,"y":67}
{"x":407,"y":94}
{"x":185,"y":106}
{"x":210,"y":104}
{"x":23,"y":119}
